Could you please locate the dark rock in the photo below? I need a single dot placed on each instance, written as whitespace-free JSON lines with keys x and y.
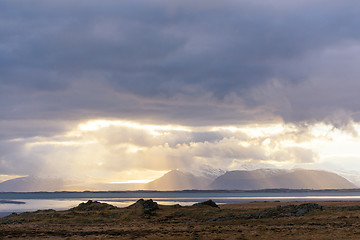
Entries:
{"x":148,"y":206}
{"x":312,"y":206}
{"x":10,"y":202}
{"x":93,"y":206}
{"x":347,"y":208}
{"x":210,"y":203}
{"x":7,"y":221}
{"x":151,"y":205}
{"x":285,"y":211}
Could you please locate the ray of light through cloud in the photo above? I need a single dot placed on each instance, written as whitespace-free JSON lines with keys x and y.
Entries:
{"x":125,"y":91}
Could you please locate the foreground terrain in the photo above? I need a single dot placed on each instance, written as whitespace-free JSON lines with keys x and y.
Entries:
{"x":147,"y":220}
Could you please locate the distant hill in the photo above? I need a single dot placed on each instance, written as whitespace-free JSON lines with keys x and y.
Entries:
{"x":267,"y":179}
{"x":31,"y":184}
{"x":177,"y":180}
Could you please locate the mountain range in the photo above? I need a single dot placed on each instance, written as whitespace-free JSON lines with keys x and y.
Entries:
{"x":295,"y":179}
{"x":178,"y":180}
{"x":32,"y":184}
{"x":253,"y":180}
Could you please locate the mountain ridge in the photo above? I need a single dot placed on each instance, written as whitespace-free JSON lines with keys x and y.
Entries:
{"x":176,"y":180}
{"x":288,"y":179}
{"x":32,"y":184}
{"x":253,"y":180}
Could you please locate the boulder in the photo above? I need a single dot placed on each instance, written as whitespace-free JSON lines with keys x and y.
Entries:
{"x":210,"y":203}
{"x":285,"y":211}
{"x":148,"y":206}
{"x":93,"y":206}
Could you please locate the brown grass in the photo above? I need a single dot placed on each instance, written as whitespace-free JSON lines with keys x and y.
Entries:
{"x":337,"y":220}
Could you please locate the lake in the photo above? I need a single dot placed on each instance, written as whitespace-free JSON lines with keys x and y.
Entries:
{"x":24,"y":202}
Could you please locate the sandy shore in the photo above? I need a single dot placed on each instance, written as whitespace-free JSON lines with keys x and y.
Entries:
{"x":255,"y":220}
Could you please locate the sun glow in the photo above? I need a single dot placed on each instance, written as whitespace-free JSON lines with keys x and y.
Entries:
{"x":60,"y":143}
{"x":137,"y":176}
{"x":131,"y":148}
{"x":94,"y":125}
{"x":122,"y":154}
{"x":253,"y":130}
{"x":133,"y":181}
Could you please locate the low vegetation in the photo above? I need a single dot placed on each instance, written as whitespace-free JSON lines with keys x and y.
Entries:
{"x":145,"y":219}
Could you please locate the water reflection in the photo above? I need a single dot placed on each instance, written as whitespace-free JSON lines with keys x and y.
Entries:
{"x":63,"y":204}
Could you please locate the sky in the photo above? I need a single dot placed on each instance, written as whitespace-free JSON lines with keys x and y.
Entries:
{"x":125,"y":91}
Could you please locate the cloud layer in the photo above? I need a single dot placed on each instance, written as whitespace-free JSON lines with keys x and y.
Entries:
{"x":180,"y":61}
{"x":204,"y":64}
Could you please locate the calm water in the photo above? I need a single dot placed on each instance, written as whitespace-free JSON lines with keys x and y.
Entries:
{"x":66,"y":200}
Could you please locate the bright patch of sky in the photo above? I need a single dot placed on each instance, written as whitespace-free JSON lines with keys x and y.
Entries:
{"x":130,"y":152}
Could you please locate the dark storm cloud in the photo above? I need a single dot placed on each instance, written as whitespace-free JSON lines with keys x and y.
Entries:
{"x":191,"y":63}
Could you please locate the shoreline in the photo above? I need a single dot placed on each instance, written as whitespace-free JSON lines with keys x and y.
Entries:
{"x":23,"y":206}
{"x":273,"y":190}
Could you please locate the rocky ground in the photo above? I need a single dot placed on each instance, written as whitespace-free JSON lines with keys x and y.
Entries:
{"x":145,"y":219}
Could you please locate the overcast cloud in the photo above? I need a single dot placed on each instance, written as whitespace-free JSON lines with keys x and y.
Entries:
{"x":195,"y":64}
